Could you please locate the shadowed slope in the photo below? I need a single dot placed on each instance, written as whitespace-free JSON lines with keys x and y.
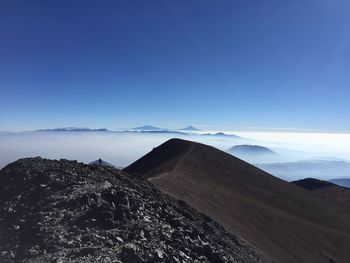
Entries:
{"x":345,"y":182}
{"x":162,"y":158}
{"x":287,"y":222}
{"x":327,"y":190}
{"x":312,"y":184}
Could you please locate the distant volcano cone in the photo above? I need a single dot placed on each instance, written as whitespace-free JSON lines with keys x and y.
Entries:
{"x":190,"y":128}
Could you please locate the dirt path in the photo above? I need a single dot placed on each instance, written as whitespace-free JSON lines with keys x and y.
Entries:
{"x":176,"y":166}
{"x":184,"y":156}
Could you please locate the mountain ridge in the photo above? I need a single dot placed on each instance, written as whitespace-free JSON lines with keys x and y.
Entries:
{"x":65,"y":211}
{"x":148,"y":128}
{"x":73,"y":129}
{"x":250,"y":202}
{"x":327,"y":190}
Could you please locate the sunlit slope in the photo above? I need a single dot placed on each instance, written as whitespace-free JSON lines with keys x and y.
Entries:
{"x":288,"y":223}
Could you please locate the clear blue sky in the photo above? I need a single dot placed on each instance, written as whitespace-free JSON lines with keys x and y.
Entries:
{"x":226,"y":64}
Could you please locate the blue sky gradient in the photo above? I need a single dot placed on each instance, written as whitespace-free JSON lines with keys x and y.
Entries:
{"x":214,"y":64}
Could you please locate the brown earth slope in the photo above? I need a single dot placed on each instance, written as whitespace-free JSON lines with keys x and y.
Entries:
{"x":285,"y":221}
{"x":327,"y":190}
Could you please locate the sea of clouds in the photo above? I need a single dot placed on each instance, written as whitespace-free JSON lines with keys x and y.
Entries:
{"x":122,"y":148}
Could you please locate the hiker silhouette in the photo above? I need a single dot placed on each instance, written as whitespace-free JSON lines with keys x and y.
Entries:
{"x":100,"y":161}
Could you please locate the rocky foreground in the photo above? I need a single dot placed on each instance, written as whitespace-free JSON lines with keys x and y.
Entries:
{"x":65,"y":211}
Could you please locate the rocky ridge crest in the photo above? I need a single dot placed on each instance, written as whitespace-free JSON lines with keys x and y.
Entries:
{"x":65,"y":211}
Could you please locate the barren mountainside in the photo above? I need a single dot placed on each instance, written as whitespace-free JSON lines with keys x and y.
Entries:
{"x":328,"y":191}
{"x":285,"y":221}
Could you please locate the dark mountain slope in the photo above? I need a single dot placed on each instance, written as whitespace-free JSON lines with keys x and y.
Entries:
{"x":287,"y":222}
{"x":345,"y":182}
{"x":312,"y":183}
{"x":327,"y":190}
{"x":165,"y":157}
{"x":64,"y":211}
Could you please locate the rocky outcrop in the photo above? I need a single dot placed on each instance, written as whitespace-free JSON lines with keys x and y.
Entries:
{"x":65,"y":211}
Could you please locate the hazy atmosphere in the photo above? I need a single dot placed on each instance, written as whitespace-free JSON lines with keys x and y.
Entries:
{"x":121,"y":148}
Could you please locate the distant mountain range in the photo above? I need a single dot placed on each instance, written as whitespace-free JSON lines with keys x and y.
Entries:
{"x":75,"y":129}
{"x":155,"y":128}
{"x":161,"y":132}
{"x":222,"y":134}
{"x":144,"y":129}
{"x":147,"y":128}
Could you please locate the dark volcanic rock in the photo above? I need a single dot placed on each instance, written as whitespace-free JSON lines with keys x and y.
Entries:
{"x":65,"y":211}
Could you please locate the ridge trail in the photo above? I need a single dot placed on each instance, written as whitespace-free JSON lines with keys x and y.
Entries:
{"x":176,"y":166}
